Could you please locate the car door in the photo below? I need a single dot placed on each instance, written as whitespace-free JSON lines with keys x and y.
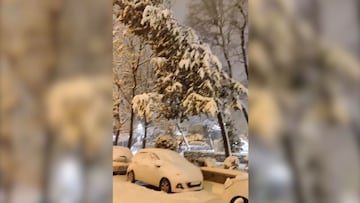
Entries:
{"x":153,"y":170}
{"x":139,"y":166}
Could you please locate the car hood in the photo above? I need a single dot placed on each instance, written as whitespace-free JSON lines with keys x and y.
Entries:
{"x":243,"y":177}
{"x":185,"y":171}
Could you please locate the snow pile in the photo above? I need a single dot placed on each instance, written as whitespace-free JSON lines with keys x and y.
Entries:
{"x":166,"y":142}
{"x":198,"y":142}
{"x":206,"y":161}
{"x":210,"y":162}
{"x":231,"y":162}
{"x":196,"y":139}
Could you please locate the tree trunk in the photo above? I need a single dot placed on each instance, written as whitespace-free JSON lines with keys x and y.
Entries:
{"x":116,"y":137}
{"x":119,"y":120}
{"x":145,"y":133}
{"x":48,"y":158}
{"x":131,"y":129}
{"x":6,"y":177}
{"x":242,"y":38}
{"x":244,"y":52}
{"x":291,"y":158}
{"x":205,"y":129}
{"x":182,"y":134}
{"x":245,"y":114}
{"x":225,"y":51}
{"x":228,"y":63}
{"x":224,"y":135}
{"x":314,"y":9}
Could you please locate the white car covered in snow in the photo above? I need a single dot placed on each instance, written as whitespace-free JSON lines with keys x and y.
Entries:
{"x":165,"y":169}
{"x":121,"y":158}
{"x":236,"y":190}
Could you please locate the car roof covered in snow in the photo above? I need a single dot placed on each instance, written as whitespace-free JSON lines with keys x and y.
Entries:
{"x":165,"y":154}
{"x":119,"y":151}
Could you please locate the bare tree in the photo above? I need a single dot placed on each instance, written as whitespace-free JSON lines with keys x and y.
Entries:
{"x":118,"y":104}
{"x":241,"y":25}
{"x":222,"y":23}
{"x":130,"y":55}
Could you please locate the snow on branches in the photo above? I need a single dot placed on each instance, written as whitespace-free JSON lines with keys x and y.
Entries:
{"x":166,"y":142}
{"x":144,"y":105}
{"x":196,"y":103}
{"x":188,"y":75}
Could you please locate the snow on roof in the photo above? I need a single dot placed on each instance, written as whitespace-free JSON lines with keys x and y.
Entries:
{"x":164,"y":154}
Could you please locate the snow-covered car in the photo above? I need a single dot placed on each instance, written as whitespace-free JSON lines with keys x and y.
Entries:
{"x":242,"y":146}
{"x":121,"y":158}
{"x":236,"y":190}
{"x":165,"y":169}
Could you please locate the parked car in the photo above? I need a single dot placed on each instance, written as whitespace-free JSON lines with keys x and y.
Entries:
{"x":236,"y":190}
{"x":121,"y":158}
{"x":165,"y":169}
{"x":241,"y":146}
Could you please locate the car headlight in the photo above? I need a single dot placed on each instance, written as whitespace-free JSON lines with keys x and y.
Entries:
{"x":228,"y":183}
{"x":179,"y":186}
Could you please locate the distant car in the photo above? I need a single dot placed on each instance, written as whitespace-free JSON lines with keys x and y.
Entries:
{"x":121,"y":158}
{"x":165,"y":169}
{"x":236,"y":190}
{"x":242,"y":147}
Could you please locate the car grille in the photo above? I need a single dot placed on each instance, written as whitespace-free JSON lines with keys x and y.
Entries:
{"x":194,"y":184}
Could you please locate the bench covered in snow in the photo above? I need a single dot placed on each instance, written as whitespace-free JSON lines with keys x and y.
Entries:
{"x":219,"y":175}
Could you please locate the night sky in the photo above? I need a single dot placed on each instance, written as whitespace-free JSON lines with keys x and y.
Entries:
{"x":180,"y":9}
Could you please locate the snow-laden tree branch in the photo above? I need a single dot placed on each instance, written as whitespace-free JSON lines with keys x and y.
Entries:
{"x":145,"y":105}
{"x":184,"y":65}
{"x":188,"y":76}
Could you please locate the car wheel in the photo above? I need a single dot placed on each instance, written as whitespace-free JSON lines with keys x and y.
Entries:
{"x":239,"y":199}
{"x":131,"y":177}
{"x":165,"y":185}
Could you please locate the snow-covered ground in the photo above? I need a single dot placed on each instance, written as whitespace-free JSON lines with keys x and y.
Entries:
{"x":137,"y":193}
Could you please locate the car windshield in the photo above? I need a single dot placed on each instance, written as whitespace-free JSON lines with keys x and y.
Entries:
{"x":170,"y":156}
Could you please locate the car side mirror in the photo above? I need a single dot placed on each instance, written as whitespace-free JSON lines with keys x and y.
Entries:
{"x":158,"y":163}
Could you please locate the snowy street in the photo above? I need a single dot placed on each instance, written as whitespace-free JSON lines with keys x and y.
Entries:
{"x":126,"y":192}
